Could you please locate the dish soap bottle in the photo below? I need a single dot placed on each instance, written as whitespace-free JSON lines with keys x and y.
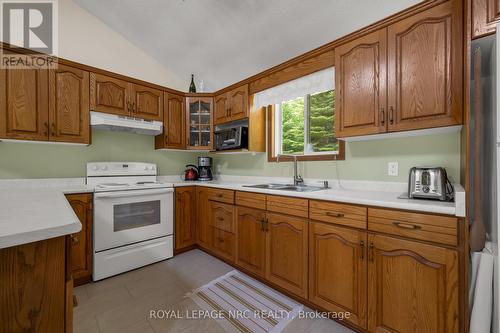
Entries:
{"x":192,"y":87}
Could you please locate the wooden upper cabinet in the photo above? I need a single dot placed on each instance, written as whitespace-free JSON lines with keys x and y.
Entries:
{"x":147,"y":103}
{"x":287,"y":252}
{"x":412,"y":287}
{"x":81,"y":249}
{"x":238,"y":103}
{"x":337,"y":270}
{"x":251,"y":239}
{"x":360,"y":83}
{"x":24,"y":104}
{"x":425,"y":69}
{"x":485,"y":14}
{"x":185,"y":217}
{"x":174,"y":126}
{"x":69,"y":105}
{"x":221,"y":109}
{"x":109,"y":95}
{"x":232,"y":105}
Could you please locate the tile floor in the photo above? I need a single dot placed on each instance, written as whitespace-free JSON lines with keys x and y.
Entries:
{"x":122,"y":303}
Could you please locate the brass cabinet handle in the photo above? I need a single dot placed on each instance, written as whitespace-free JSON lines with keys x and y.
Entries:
{"x":74,"y":239}
{"x":382,"y":116}
{"x":391,"y":115}
{"x":371,"y":254}
{"x":406,"y":225}
{"x":128,"y":106}
{"x":46,"y":131}
{"x":362,"y":245}
{"x":53,"y":129}
{"x":219,"y":195}
{"x":262,"y":222}
{"x":334,"y":214}
{"x":267,"y":224}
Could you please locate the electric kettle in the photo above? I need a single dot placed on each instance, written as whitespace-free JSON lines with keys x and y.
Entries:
{"x":191,"y":172}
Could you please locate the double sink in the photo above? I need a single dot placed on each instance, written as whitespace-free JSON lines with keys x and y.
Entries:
{"x":287,"y":187}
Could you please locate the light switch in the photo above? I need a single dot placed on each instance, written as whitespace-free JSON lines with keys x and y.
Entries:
{"x":392,"y":168}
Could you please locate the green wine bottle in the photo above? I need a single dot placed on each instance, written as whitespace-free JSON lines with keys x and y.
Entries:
{"x":192,"y":87}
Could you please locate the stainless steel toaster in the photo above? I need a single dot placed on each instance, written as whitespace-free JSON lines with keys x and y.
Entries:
{"x":429,"y":183}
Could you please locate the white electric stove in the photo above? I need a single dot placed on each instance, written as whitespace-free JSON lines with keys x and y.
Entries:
{"x":133,"y":216}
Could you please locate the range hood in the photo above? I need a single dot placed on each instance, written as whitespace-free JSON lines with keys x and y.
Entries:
{"x":111,"y":122}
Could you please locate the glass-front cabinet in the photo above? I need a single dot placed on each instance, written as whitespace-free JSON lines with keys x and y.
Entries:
{"x":199,"y":123}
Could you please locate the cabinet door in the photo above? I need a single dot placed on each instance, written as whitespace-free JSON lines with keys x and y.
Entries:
{"x":32,"y":280}
{"x":175,"y":129}
{"x":360,"y":84}
{"x":412,"y":287}
{"x":251,"y":239}
{"x":69,"y":105}
{"x":24,"y":104}
{"x":81,"y":250}
{"x":203,"y":230}
{"x":223,"y":244}
{"x":221,"y":109}
{"x":493,"y":10}
{"x":238,"y":103}
{"x":185,"y":217}
{"x":109,"y":95}
{"x":147,"y":103}
{"x":337,"y":270}
{"x":425,"y":69}
{"x":286,"y":258}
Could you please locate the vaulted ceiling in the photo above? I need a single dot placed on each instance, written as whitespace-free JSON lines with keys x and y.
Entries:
{"x":224,"y":41}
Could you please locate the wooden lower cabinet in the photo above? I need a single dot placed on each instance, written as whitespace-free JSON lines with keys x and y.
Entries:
{"x":185,"y":217}
{"x":337,"y":270}
{"x":81,"y":256}
{"x":286,"y":252}
{"x":251,"y":239}
{"x":412,"y":287}
{"x":203,"y":230}
{"x":34,"y":290}
{"x":223,"y":244}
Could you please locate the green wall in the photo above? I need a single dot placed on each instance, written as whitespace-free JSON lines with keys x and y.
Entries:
{"x":33,"y":160}
{"x":364,"y":160}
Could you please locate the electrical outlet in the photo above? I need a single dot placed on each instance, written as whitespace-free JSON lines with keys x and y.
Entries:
{"x":392,"y":168}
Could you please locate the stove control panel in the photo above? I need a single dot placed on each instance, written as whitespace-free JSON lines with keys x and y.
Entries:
{"x":100,"y":169}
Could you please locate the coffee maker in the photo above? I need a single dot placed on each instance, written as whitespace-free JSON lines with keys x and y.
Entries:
{"x":205,"y":168}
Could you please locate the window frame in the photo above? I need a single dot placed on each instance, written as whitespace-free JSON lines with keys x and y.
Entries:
{"x":271,"y":144}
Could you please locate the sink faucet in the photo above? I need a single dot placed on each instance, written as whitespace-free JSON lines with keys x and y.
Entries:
{"x":297,"y":179}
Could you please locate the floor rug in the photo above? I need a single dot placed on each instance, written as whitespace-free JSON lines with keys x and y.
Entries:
{"x":241,"y":304}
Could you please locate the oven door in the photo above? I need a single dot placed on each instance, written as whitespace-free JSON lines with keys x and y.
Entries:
{"x":128,"y":217}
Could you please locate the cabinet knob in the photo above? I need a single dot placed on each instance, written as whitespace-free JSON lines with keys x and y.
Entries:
{"x":74,"y":239}
{"x":362,"y":245}
{"x":46,"y":131}
{"x":391,"y":115}
{"x":403,"y":225}
{"x":53,"y":129}
{"x":334,"y":214}
{"x":382,"y":116}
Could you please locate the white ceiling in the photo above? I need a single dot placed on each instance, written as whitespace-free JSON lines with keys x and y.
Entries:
{"x":224,"y":41}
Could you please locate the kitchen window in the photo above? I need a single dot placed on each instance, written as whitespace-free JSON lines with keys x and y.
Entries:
{"x":301,"y":118}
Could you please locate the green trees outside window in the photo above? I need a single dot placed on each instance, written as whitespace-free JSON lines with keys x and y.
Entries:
{"x":308,"y":124}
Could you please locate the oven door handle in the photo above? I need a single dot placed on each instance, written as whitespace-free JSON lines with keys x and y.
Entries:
{"x":124,"y":194}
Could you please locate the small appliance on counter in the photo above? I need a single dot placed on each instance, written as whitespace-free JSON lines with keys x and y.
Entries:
{"x":191,"y":173}
{"x":205,"y":168}
{"x":429,"y":183}
{"x":235,"y":137}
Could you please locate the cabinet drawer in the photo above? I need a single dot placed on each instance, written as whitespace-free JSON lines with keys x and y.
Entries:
{"x":252,"y":200}
{"x":433,"y":228}
{"x":222,"y":216}
{"x":220,"y":195}
{"x":343,"y":214}
{"x":223,"y":243}
{"x":287,"y":205}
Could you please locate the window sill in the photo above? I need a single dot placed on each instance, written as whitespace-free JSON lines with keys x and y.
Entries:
{"x":318,"y":157}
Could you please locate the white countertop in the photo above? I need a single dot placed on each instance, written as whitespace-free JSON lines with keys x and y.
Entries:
{"x":368,"y":193}
{"x":36,"y":209}
{"x":29,"y":215}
